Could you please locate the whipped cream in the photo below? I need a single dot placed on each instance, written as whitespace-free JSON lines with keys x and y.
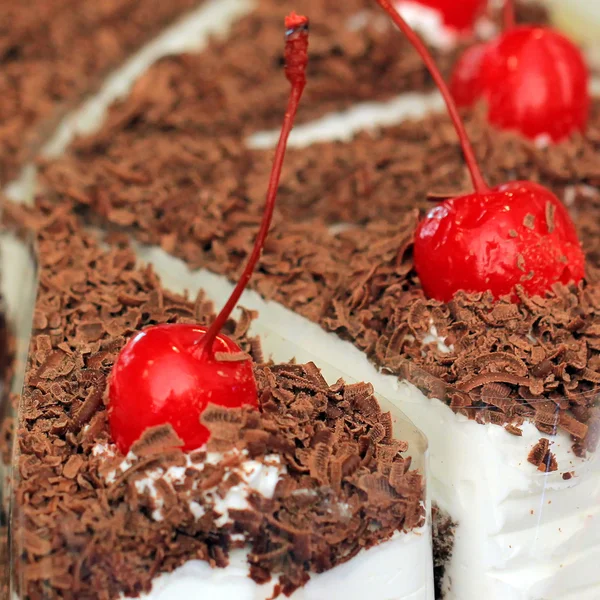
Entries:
{"x":428,"y":22}
{"x":520,"y":534}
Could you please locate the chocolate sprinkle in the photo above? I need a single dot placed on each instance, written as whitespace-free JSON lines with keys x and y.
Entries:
{"x":542,"y":457}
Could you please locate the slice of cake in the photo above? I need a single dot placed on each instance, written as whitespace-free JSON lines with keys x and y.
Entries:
{"x":314,"y":493}
{"x":53,"y":52}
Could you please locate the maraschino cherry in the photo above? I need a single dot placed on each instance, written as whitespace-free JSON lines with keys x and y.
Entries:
{"x":517,"y":233}
{"x":457,"y":15}
{"x":533,"y":80}
{"x":170,"y":373}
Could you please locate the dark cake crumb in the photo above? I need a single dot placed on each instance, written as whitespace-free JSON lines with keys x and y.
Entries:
{"x":443,"y":543}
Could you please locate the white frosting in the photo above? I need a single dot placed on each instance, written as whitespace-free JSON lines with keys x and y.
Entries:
{"x":433,"y":337}
{"x":543,"y":140}
{"x":343,"y":126}
{"x":580,"y":20}
{"x":428,"y":22}
{"x":521,"y":534}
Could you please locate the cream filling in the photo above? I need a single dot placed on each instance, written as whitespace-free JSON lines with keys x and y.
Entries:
{"x":261,"y":477}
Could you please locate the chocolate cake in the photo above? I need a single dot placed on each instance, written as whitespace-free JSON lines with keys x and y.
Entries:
{"x":322,"y":476}
{"x":54,"y":51}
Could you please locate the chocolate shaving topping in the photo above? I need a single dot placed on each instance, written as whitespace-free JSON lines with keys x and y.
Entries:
{"x":156,"y":441}
{"x":550,"y":211}
{"x":529,"y":221}
{"x":232,"y":356}
{"x":87,"y":524}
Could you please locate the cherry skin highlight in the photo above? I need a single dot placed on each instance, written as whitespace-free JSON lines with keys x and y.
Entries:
{"x":532,"y":79}
{"x":518,"y":233}
{"x":459,"y":15}
{"x":161,"y":377}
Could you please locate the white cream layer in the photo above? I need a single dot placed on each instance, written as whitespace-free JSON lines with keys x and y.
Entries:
{"x":522,"y":534}
{"x":428,"y":22}
{"x":261,"y":477}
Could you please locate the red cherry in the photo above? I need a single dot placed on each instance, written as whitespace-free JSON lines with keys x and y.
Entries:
{"x":162,"y":376}
{"x":458,"y":15}
{"x":170,"y":373}
{"x":466,"y":82}
{"x":517,"y":233}
{"x":492,"y":239}
{"x":533,"y":79}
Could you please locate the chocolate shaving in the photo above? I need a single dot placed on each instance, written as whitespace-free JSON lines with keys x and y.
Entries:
{"x":550,"y":212}
{"x":156,"y":440}
{"x":232,"y":356}
{"x":541,"y":456}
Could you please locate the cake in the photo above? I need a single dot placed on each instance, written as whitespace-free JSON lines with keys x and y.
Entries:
{"x":89,"y":522}
{"x":53,"y":52}
{"x":340,"y":255}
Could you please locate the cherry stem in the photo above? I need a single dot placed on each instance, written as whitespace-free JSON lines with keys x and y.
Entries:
{"x":479,"y":183}
{"x":296,"y":59}
{"x":509,"y":14}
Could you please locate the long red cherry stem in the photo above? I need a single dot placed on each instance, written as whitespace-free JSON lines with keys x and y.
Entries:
{"x":509,"y":14}
{"x":296,"y":59}
{"x":476,"y":176}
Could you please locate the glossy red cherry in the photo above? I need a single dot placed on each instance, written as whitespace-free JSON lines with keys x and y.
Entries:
{"x":170,"y":373}
{"x":492,"y":239}
{"x":161,"y":377}
{"x":532,"y":79}
{"x":517,"y":233}
{"x":459,"y":15}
